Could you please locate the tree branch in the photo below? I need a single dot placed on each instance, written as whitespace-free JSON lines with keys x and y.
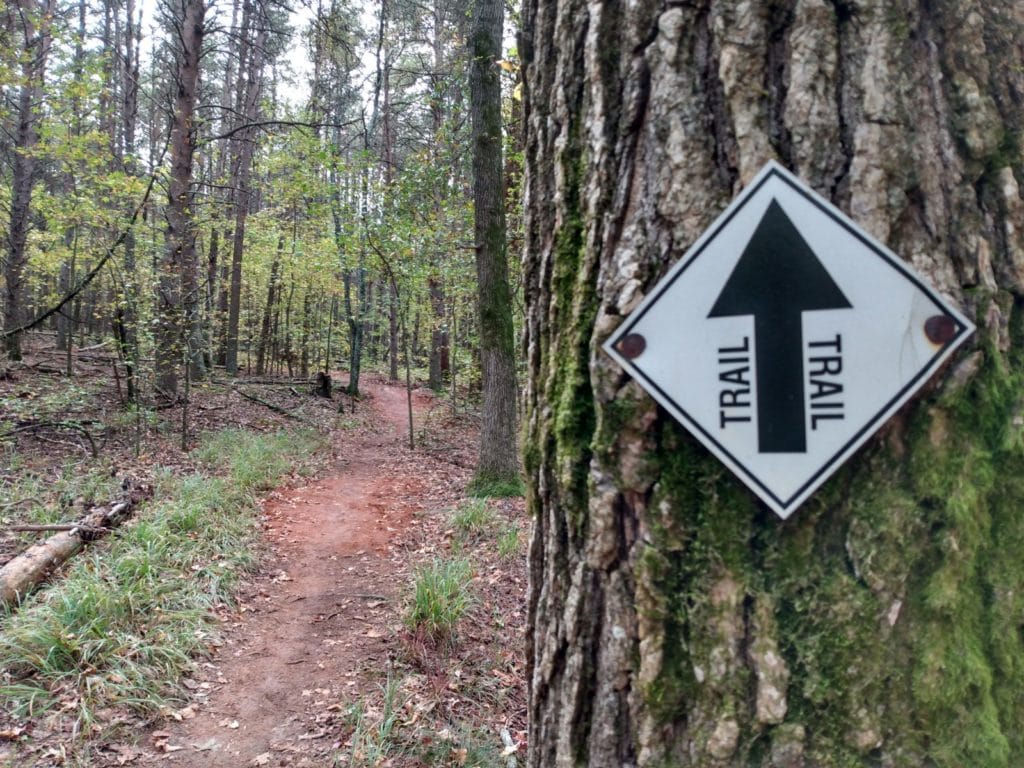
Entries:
{"x":283,"y":123}
{"x":92,"y":273}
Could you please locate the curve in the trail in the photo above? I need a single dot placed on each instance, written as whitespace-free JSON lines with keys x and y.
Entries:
{"x":318,"y":614}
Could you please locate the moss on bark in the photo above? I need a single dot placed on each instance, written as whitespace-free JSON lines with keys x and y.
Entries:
{"x":882,"y":623}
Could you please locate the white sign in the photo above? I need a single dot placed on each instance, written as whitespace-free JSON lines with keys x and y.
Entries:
{"x":785,"y":337}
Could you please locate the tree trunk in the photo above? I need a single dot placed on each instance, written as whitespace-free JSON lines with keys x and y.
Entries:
{"x":306,"y":329}
{"x":22,"y":573}
{"x":36,"y":20}
{"x":355,"y":328}
{"x":210,"y":297}
{"x":64,"y":329}
{"x":126,"y":313}
{"x":288,"y":330}
{"x":125,"y":318}
{"x":438,"y":334}
{"x":498,"y":454}
{"x":673,"y":619}
{"x":268,"y":310}
{"x":222,"y":304}
{"x":178,"y":295}
{"x":393,"y":334}
{"x":249,"y":88}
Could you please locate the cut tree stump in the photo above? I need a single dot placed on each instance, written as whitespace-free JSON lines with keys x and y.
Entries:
{"x":19,"y":575}
{"x":323,"y":385}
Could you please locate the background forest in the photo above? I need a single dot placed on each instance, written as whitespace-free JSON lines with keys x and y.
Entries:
{"x":256,"y":186}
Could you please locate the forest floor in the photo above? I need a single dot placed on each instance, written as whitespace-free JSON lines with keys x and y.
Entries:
{"x":316,"y":662}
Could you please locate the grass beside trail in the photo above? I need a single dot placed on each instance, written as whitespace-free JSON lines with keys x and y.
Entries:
{"x":129,"y":617}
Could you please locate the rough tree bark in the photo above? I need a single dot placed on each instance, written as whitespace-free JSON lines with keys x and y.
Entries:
{"x":126,"y":312}
{"x":499,"y":458}
{"x":178,"y":292}
{"x":674,"y":620}
{"x":250,"y":77}
{"x":35,"y":20}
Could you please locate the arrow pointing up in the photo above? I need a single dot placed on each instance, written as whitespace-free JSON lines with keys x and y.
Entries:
{"x":777,"y":278}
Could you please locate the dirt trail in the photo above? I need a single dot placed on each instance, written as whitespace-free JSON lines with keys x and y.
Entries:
{"x":320,"y":612}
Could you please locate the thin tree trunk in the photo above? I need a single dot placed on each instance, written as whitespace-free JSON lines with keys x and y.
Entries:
{"x":69,"y":369}
{"x":454,"y":372}
{"x":268,"y":310}
{"x":64,"y":330}
{"x":673,"y":620}
{"x":36,"y":20}
{"x":126,"y":311}
{"x":223,"y":302}
{"x":330,"y":330}
{"x":304,"y":338}
{"x":498,"y":453}
{"x":178,"y":292}
{"x":288,"y":330}
{"x":393,"y":334}
{"x":242,"y":168}
{"x":438,"y":334}
{"x":211,"y":293}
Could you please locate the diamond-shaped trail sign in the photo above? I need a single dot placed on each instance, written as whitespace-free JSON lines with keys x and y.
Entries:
{"x":785,"y":337}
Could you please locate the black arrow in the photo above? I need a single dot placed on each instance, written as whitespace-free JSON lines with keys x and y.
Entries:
{"x":777,"y":278}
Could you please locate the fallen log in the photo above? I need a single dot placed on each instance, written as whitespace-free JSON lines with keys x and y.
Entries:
{"x":19,"y":575}
{"x":86,"y":529}
{"x":294,"y":382}
{"x":275,"y":408}
{"x":36,"y":425}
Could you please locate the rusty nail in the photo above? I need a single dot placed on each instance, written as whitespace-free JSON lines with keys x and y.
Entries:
{"x":632,"y":345}
{"x":940,"y":329}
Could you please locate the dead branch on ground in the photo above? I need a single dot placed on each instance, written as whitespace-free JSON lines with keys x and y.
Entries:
{"x":275,"y":408}
{"x":36,"y":425}
{"x":19,"y":575}
{"x":29,"y":528}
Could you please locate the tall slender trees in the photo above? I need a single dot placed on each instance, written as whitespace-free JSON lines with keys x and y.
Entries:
{"x":379,"y":164}
{"x":178,"y":290}
{"x":498,"y":454}
{"x":674,"y":620}
{"x":252,"y":47}
{"x":33,"y":22}
{"x":126,"y":311}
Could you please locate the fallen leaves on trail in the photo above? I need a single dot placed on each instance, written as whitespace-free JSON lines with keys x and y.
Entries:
{"x":161,"y":741}
{"x":123,"y":754}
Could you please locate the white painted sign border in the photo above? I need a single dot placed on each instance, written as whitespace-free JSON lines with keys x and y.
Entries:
{"x":785,"y":506}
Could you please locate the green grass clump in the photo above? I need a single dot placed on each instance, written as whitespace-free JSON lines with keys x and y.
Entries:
{"x":488,"y":486}
{"x":31,"y":496}
{"x":128,"y":619}
{"x":465,"y":746}
{"x":257,"y":464}
{"x":473,"y":519}
{"x":509,"y":542}
{"x":440,"y":597}
{"x":374,"y":739}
